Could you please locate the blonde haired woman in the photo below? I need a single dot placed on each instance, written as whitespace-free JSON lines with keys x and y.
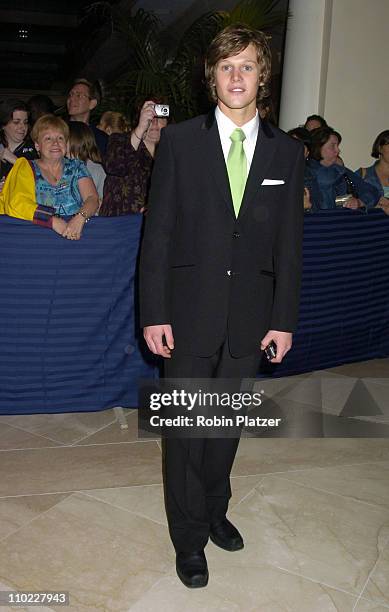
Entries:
{"x":112,"y":122}
{"x":52,"y":191}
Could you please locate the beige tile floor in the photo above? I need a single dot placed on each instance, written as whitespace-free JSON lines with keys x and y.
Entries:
{"x":81,"y":510}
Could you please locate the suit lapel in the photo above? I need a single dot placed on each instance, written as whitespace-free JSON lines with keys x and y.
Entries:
{"x":214,"y":161}
{"x":263,"y":156}
{"x":215,"y":165}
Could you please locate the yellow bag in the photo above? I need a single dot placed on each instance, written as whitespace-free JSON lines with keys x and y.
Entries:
{"x":18,"y":196}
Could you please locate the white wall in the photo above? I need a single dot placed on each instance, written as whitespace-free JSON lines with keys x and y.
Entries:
{"x":304,"y":61}
{"x":356,"y":96}
{"x":337,"y":64}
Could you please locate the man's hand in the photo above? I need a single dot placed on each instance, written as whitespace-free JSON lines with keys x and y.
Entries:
{"x":283,"y":341}
{"x":153,"y":334}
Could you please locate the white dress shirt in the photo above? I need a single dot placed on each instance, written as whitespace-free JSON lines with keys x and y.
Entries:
{"x":226,"y":127}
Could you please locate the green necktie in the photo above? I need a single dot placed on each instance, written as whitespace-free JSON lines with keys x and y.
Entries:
{"x":237,"y":168}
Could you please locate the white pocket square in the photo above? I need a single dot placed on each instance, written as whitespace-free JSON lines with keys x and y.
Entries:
{"x":272,"y":182}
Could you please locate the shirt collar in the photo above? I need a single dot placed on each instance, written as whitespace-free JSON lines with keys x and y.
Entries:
{"x":226,"y":126}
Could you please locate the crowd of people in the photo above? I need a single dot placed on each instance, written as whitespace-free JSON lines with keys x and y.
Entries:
{"x":328,"y":182}
{"x":69,"y":162}
{"x":58,"y":172}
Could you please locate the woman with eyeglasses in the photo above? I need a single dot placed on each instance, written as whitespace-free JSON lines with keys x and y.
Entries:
{"x":82,"y":99}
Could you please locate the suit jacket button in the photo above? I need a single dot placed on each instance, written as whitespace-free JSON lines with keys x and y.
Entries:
{"x":228,"y":272}
{"x":236,"y":235}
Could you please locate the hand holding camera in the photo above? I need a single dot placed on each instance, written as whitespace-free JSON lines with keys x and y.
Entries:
{"x":146,"y":116}
{"x":150,"y":110}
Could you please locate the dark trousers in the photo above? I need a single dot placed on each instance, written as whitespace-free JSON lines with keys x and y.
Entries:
{"x":197,"y":470}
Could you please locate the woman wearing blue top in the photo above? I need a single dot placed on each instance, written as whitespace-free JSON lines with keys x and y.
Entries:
{"x":378,"y":174}
{"x":333,"y":179}
{"x":62,"y":186}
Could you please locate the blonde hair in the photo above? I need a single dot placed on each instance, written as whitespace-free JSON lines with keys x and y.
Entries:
{"x":47,"y":122}
{"x":82,"y":142}
{"x":231,"y":41}
{"x":116,"y":121}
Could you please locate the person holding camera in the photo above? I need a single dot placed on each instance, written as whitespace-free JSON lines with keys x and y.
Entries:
{"x":129,"y":160}
{"x":220,"y":272}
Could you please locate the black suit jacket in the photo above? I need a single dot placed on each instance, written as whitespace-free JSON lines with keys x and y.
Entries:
{"x":203,"y":270}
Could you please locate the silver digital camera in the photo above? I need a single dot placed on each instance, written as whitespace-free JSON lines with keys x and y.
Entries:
{"x":161,"y":110}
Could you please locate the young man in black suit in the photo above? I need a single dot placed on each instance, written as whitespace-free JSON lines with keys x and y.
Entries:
{"x":220,"y":271}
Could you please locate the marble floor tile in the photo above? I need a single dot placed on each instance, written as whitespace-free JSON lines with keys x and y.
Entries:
{"x":62,"y":469}
{"x":379,"y":391}
{"x":375,"y":368}
{"x":249,"y":589}
{"x":64,"y":428}
{"x":256,"y":456}
{"x":105,"y":557}
{"x":304,"y":390}
{"x":367,"y":482}
{"x":327,"y":538}
{"x":13,"y":438}
{"x":242,"y":486}
{"x":330,"y":391}
{"x":383,"y":420}
{"x":377,"y":588}
{"x":335,"y":391}
{"x":113,"y":433}
{"x":6,"y":587}
{"x":18,"y":511}
{"x":146,"y":501}
{"x":363,"y":605}
{"x":271,"y":387}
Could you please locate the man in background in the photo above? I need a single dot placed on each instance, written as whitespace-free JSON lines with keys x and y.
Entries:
{"x":82,"y":98}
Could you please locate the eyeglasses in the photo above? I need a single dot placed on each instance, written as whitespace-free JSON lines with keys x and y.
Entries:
{"x":78,"y":95}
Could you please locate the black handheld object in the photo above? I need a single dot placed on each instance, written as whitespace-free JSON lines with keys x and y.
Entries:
{"x":271,"y":350}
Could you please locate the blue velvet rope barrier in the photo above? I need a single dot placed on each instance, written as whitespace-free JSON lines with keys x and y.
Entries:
{"x":68,"y":339}
{"x":344,"y":307}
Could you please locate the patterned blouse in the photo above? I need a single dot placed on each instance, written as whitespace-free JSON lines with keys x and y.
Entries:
{"x":128,"y":176}
{"x":65,"y":196}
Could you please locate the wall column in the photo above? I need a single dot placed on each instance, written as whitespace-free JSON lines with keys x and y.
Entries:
{"x":305,"y":61}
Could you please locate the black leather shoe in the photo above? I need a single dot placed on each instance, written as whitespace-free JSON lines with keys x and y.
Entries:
{"x":225,"y":535}
{"x":192,"y":569}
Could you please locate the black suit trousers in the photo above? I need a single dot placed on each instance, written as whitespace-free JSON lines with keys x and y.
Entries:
{"x":197,"y":470}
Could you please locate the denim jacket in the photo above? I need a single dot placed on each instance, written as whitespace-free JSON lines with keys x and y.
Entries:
{"x":371,"y":177}
{"x":331,"y":183}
